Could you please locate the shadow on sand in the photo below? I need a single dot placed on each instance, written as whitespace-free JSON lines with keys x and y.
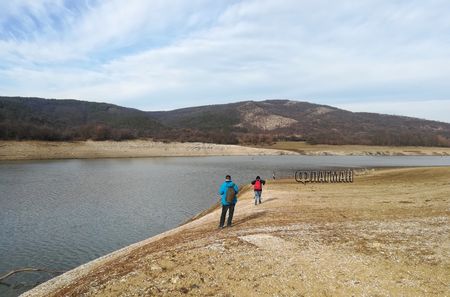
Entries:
{"x":269,"y":199}
{"x":243,"y":220}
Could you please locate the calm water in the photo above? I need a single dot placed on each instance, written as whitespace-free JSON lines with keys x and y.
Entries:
{"x":60,"y":214}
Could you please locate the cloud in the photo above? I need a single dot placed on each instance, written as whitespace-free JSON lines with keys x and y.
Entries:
{"x":161,"y":55}
{"x":426,"y":109}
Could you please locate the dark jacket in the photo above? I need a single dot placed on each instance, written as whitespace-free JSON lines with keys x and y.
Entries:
{"x":263,"y":182}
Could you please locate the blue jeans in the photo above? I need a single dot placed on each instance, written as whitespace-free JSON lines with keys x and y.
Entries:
{"x":258,"y":197}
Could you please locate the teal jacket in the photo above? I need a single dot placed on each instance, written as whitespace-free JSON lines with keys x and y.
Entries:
{"x":223,"y":191}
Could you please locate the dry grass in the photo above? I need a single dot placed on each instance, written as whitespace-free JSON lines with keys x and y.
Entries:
{"x":322,"y":149}
{"x":387,"y":234}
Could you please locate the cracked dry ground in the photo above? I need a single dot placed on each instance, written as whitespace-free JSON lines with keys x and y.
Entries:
{"x":387,"y":234}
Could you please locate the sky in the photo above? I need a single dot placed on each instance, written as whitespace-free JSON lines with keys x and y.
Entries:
{"x":376,"y":56}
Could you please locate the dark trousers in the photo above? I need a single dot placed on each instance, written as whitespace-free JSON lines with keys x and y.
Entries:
{"x":225,"y":208}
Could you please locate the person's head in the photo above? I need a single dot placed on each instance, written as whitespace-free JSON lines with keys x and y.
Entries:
{"x":258,"y":178}
{"x":228,"y":177}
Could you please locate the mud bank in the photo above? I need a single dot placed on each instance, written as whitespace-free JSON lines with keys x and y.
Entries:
{"x":43,"y":150}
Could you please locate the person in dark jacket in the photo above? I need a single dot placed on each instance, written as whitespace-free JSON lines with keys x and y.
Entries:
{"x":227,"y":188}
{"x":257,"y":187}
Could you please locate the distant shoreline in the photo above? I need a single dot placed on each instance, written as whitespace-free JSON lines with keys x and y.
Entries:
{"x":304,"y":148}
{"x":49,"y":150}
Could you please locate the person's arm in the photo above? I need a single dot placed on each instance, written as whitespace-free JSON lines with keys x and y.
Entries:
{"x":263,"y":181}
{"x":253,"y":182}
{"x":236,"y":189}
{"x":222,"y":190}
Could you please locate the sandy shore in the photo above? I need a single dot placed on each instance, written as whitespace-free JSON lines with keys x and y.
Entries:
{"x":386,"y":234}
{"x":42,"y":150}
{"x":304,"y":148}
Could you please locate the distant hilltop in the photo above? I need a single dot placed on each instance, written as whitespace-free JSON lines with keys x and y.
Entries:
{"x":247,"y":122}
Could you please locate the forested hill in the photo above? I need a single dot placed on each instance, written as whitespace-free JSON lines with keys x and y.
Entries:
{"x":241,"y":122}
{"x":50,"y":119}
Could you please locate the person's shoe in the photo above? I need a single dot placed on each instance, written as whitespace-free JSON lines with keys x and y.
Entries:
{"x":220,"y":227}
{"x":229,"y":225}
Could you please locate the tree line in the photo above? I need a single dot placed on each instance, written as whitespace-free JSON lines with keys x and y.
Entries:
{"x":72,"y":120}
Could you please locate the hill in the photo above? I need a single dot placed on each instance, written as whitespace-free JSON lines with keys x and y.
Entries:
{"x":50,"y":119}
{"x":246,"y":122}
{"x":255,"y":122}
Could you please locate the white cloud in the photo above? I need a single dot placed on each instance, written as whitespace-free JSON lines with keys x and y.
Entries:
{"x":156,"y":54}
{"x":428,"y":109}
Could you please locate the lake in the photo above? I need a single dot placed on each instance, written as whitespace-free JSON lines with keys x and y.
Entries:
{"x":60,"y":214}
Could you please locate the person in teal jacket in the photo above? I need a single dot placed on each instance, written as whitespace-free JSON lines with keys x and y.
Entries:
{"x":227,"y":205}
